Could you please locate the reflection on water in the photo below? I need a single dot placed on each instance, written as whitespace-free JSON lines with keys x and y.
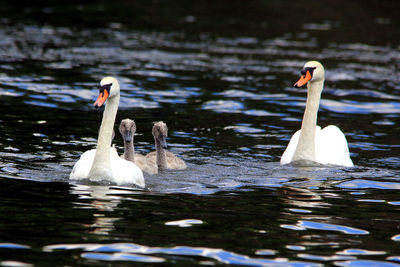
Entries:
{"x":102,"y":200}
{"x":221,"y":76}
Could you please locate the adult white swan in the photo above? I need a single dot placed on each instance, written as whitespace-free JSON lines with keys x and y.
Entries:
{"x":103,"y":163}
{"x":311,"y":144}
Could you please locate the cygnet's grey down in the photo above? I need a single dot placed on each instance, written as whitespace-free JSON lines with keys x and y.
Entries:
{"x":127,"y":128}
{"x":161,"y":158}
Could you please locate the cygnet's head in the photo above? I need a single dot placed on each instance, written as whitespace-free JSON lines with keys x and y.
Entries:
{"x":311,"y":72}
{"x":127,"y":128}
{"x":109,"y":87}
{"x":160,"y":133}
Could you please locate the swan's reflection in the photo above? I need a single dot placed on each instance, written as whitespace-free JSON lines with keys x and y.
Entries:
{"x":303,"y":191}
{"x":302,"y":198}
{"x":307,"y":194}
{"x":103,"y":199}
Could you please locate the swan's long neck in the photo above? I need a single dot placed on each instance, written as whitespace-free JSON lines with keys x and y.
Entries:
{"x":129,"y":153}
{"x":161,"y":155}
{"x":305,"y":149}
{"x":101,"y":167}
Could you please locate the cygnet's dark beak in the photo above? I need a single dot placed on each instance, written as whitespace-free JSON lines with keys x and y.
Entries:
{"x":163,"y":142}
{"x":128,"y":136}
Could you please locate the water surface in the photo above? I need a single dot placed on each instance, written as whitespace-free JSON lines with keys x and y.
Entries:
{"x":221,"y":76}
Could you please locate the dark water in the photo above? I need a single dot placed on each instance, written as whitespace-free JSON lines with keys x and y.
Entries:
{"x":220,"y":74}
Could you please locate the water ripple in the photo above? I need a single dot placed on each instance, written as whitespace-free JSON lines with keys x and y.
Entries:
{"x":13,"y":246}
{"x":365,"y":263}
{"x":184,"y":223}
{"x":223,"y":106}
{"x":128,"y":252}
{"x":355,"y":251}
{"x":362,"y":184}
{"x":303,"y":225}
{"x":122,"y":257}
{"x":353,"y":107}
{"x":324,"y":258}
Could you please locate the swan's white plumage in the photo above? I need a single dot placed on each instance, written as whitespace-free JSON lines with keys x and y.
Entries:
{"x":123,"y":171}
{"x":83,"y":165}
{"x":103,"y":163}
{"x":330,"y":147}
{"x":326,"y":146}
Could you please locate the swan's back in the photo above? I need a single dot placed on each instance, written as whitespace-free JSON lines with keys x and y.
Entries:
{"x":330,"y":147}
{"x":173,"y":162}
{"x":146,"y":165}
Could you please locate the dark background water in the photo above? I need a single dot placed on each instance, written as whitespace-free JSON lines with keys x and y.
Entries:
{"x":220,"y":74}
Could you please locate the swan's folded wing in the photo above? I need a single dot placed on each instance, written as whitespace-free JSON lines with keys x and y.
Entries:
{"x":125,"y":172}
{"x":146,"y":165}
{"x":151,"y":155}
{"x":289,"y":152}
{"x":332,"y":147}
{"x":83,"y":165}
{"x":174,"y":162}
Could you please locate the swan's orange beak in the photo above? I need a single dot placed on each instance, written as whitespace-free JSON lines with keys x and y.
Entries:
{"x":102,"y":98}
{"x":303,"y":79}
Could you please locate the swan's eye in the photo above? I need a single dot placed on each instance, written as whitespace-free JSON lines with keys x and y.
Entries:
{"x":309,"y":69}
{"x":106,"y":87}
